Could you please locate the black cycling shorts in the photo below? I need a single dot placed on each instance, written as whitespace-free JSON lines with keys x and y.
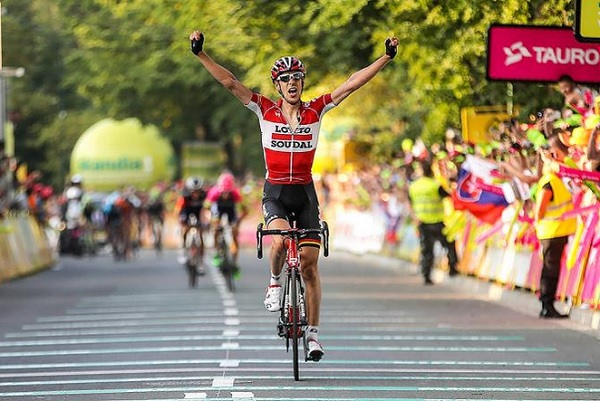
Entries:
{"x":218,"y":212}
{"x":186,"y":212}
{"x":296,"y":201}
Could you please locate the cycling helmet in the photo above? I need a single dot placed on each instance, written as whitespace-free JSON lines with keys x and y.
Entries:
{"x":286,"y":64}
{"x":226,"y":182}
{"x":194,"y":183}
{"x":76,"y":179}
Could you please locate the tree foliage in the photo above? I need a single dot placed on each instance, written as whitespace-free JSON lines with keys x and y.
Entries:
{"x":90,"y":59}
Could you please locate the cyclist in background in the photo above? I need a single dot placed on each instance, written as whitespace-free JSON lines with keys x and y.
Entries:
{"x":224,"y":199}
{"x":118,"y":212}
{"x":75,"y":186}
{"x":191,"y":202}
{"x":155,"y":211}
{"x":290,"y":131}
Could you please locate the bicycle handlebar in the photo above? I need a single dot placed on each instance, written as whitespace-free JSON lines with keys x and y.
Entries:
{"x":294,"y":233}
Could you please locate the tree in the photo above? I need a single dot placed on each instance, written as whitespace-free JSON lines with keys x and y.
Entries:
{"x":115,"y":58}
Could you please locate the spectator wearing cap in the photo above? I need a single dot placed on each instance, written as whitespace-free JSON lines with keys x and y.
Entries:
{"x":578,"y":143}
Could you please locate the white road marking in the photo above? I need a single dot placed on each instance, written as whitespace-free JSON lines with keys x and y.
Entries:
{"x":231,"y":333}
{"x":242,"y":395}
{"x":194,"y":396}
{"x":223,"y":381}
{"x":230,"y":363}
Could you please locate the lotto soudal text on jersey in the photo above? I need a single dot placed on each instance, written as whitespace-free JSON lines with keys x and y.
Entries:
{"x":289,"y":153}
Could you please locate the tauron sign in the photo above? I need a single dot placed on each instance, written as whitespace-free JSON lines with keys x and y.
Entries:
{"x":540,"y":54}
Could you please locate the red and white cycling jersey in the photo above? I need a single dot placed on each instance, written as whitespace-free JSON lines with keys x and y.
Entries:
{"x":289,"y":155}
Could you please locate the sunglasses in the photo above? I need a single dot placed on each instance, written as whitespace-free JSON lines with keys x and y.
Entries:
{"x":288,"y":77}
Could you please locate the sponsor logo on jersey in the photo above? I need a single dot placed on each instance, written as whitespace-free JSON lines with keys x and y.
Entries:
{"x":283,"y":138}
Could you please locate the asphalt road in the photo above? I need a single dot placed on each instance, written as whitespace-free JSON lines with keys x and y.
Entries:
{"x":90,"y":329}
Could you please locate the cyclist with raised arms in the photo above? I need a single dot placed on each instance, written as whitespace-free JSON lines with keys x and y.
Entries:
{"x":290,"y":132}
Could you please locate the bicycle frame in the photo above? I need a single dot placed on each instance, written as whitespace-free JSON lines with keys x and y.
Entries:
{"x":223,"y":249}
{"x":193,"y":250}
{"x":293,"y":320}
{"x":156,"y":226}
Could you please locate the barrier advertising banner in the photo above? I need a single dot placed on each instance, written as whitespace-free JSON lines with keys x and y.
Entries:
{"x":540,"y":54}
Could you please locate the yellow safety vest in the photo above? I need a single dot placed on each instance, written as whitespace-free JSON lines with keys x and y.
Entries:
{"x":426,"y":201}
{"x":552,"y":225}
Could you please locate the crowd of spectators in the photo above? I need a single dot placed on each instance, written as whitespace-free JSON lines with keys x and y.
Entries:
{"x":21,"y":191}
{"x":517,"y":148}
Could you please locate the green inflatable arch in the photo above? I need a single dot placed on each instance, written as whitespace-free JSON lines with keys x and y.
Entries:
{"x":112,"y":154}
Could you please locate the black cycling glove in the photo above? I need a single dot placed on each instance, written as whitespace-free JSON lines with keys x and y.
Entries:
{"x":196,"y":45}
{"x":389,"y":49}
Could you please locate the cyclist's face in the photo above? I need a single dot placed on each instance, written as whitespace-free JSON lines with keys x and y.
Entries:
{"x":292,"y":89}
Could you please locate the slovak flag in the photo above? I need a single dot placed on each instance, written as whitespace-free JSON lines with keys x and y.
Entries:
{"x":476,"y":191}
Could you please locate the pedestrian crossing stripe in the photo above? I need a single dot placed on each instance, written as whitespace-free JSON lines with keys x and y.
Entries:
{"x":286,"y":361}
{"x":300,"y":388}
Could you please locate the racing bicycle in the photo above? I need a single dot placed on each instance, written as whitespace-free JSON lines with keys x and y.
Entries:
{"x":293,"y":320}
{"x":223,"y":253}
{"x":193,"y":250}
{"x":156,"y":226}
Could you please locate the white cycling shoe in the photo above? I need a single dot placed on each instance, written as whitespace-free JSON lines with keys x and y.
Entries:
{"x":273,"y":298}
{"x":315,"y":350}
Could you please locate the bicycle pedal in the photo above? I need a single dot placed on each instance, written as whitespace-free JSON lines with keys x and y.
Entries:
{"x":281,"y":330}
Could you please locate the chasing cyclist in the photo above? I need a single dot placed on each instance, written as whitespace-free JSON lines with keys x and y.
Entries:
{"x":155,"y":212}
{"x":224,"y":199}
{"x":290,"y":130}
{"x":191,"y":202}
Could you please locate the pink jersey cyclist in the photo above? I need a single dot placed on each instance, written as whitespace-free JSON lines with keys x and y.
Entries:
{"x":289,"y":154}
{"x":223,"y":198}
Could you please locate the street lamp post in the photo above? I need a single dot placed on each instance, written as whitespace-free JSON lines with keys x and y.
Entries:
{"x":5,"y":73}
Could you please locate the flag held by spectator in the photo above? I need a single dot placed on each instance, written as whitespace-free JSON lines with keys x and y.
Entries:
{"x":477,"y":192}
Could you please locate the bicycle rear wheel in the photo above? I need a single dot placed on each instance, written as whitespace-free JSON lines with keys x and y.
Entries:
{"x":226,"y":264}
{"x":192,"y":263}
{"x":294,"y":315}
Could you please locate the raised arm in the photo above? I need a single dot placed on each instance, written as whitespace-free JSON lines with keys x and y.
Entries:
{"x":592,"y":152}
{"x":220,"y":73}
{"x":359,"y":78}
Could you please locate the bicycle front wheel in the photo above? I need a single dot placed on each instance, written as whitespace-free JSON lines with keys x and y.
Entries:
{"x":295,"y":317}
{"x":227,"y":268}
{"x":192,"y":263}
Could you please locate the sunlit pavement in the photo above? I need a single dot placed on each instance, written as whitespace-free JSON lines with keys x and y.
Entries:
{"x":92,"y":329}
